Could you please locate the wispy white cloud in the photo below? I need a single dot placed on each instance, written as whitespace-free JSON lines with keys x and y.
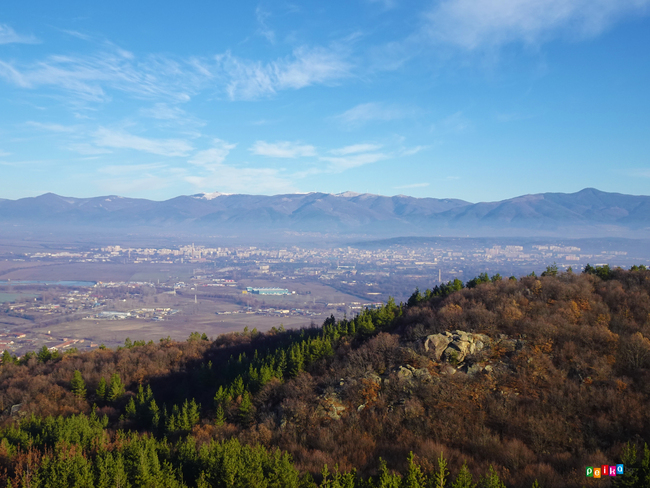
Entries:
{"x":639,"y":173}
{"x":4,"y":154}
{"x":163,"y":111}
{"x":412,"y":150}
{"x":51,"y":127}
{"x":9,"y":36}
{"x":121,"y":169}
{"x":355,"y":148}
{"x":283,"y":149}
{"x":232,"y":179}
{"x":472,"y":24}
{"x":355,"y":155}
{"x":86,"y":149}
{"x":264,"y":30}
{"x":213,"y":158}
{"x":343,"y":163}
{"x":121,"y":140}
{"x":88,"y":77}
{"x":77,"y":34}
{"x":454,"y":123}
{"x":170,"y":115}
{"x":413,"y":185}
{"x":92,"y":77}
{"x":246,"y":80}
{"x":134,"y":184}
{"x":368,"y":112}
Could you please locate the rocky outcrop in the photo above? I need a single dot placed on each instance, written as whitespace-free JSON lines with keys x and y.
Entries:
{"x":330,"y":405}
{"x":409,"y":373}
{"x":437,"y":343}
{"x":455,"y":346}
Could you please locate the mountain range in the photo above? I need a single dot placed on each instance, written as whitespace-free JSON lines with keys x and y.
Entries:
{"x":587,"y":213}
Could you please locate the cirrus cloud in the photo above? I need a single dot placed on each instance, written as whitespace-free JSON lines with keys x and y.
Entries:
{"x":9,"y":36}
{"x":472,"y":24}
{"x":369,"y":112}
{"x":217,"y":175}
{"x":121,"y":140}
{"x":282,"y":149}
{"x":248,"y":80}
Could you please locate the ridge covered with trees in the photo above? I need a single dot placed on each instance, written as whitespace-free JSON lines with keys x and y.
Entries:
{"x":560,"y":382}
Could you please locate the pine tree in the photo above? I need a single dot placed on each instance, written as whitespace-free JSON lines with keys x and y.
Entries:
{"x":364,"y":324}
{"x":101,"y":389}
{"x":281,"y":364}
{"x":154,"y":414}
{"x":221,"y":398}
{"x":387,"y":479}
{"x":414,"y":477}
{"x":296,"y":361}
{"x":237,"y":387}
{"x":44,"y":355}
{"x":140,"y":397}
{"x":440,"y":479}
{"x":492,"y":480}
{"x":245,"y":408}
{"x":78,"y":385}
{"x":220,"y":417}
{"x":630,"y":478}
{"x":115,"y":388}
{"x":7,"y":358}
{"x":464,"y":478}
{"x":130,"y":409}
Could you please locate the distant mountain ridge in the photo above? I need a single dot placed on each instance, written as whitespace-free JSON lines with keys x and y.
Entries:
{"x":587,"y":212}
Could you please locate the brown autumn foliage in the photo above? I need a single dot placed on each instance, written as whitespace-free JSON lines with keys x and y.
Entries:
{"x":569,"y":384}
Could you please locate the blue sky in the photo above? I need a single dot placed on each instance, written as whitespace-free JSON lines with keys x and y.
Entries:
{"x":474,"y":99}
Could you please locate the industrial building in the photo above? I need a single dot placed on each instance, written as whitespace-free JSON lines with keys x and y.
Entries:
{"x":267,"y":291}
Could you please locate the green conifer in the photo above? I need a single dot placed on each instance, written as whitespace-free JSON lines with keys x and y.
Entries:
{"x":464,"y":478}
{"x":101,"y":389}
{"x":414,"y":477}
{"x":78,"y":385}
{"x":440,"y":479}
{"x":492,"y":480}
{"x":245,"y":408}
{"x":7,"y":358}
{"x":220,"y":417}
{"x":115,"y":388}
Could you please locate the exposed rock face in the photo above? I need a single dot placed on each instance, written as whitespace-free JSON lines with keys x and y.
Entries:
{"x":437,"y":343}
{"x":472,"y":369}
{"x":331,"y":406}
{"x":456,"y":346}
{"x":405,"y":373}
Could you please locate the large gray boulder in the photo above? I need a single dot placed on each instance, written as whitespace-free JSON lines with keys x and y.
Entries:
{"x":457,"y":351}
{"x":456,"y":345}
{"x":437,"y":343}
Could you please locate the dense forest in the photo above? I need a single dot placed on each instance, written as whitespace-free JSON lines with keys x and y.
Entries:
{"x":491,"y":383}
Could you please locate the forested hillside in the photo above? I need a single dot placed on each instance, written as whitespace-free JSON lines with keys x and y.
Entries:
{"x":496,"y":382}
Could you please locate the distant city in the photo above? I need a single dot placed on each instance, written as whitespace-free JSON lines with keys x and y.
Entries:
{"x":434,"y":264}
{"x":92,"y":293}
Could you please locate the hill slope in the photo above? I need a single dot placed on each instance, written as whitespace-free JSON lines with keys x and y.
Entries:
{"x":517,"y":380}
